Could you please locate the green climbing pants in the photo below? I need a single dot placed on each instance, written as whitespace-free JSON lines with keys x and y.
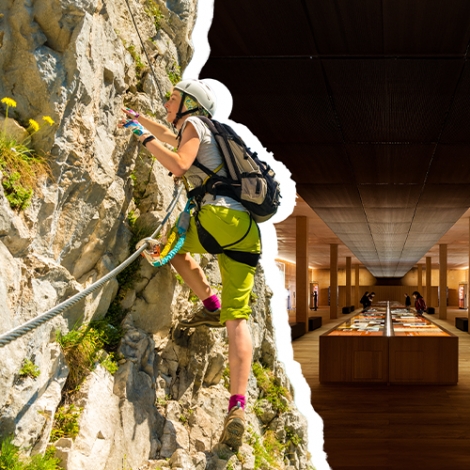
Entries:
{"x":228,"y":226}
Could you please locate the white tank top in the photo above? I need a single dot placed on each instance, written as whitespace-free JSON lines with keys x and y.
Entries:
{"x":210,"y":157}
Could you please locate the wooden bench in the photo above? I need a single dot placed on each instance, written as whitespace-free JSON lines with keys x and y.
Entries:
{"x":314,"y":323}
{"x":461,"y":323}
{"x":348,"y":309}
{"x":297,"y":330}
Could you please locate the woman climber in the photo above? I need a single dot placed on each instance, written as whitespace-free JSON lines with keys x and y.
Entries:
{"x":221,"y":217}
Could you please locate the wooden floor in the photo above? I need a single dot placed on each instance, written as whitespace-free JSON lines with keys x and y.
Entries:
{"x":392,"y":427}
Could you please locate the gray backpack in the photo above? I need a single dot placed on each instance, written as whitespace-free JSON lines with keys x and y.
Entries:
{"x":250,"y":180}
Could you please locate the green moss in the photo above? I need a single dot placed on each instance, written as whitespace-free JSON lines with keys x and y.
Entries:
{"x":83,"y":347}
{"x":226,"y":377}
{"x":139,"y":65}
{"x":174,"y":74}
{"x":22,"y":171}
{"x":153,"y":11}
{"x":29,"y":369}
{"x":271,"y":388}
{"x":12,"y":459}
{"x":66,"y":422}
{"x":293,"y":438}
{"x":267,"y":450}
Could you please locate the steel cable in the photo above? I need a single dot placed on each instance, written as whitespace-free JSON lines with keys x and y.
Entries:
{"x":145,"y":52}
{"x":41,"y":319}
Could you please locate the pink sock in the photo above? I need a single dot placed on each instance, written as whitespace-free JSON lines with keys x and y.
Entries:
{"x":212,"y":303}
{"x":235,"y":400}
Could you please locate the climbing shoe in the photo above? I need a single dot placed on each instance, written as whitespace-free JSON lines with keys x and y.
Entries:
{"x":234,"y":427}
{"x":202,"y":317}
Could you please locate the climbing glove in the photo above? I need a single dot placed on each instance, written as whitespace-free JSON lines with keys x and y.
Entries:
{"x":136,"y":128}
{"x":131,"y":112}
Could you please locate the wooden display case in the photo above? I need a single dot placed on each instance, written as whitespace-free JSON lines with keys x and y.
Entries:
{"x":389,"y":346}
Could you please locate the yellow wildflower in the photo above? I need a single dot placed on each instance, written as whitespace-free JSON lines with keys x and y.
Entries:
{"x":33,"y":125}
{"x":48,"y":119}
{"x":9,"y":102}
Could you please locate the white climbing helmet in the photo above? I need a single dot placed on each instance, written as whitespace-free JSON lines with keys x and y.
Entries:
{"x":200,"y":91}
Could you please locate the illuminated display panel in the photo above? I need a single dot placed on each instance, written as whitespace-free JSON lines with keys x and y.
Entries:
{"x":409,"y":324}
{"x":372,"y":323}
{"x":364,"y":324}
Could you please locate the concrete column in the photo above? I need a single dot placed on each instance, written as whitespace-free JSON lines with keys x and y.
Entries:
{"x":428,"y":281}
{"x":420,"y":279}
{"x":442,"y":281}
{"x":348,"y":281}
{"x":301,"y":270}
{"x":357,"y":293}
{"x":333,"y":280}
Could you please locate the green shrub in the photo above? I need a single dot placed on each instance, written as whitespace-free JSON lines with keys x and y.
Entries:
{"x":66,"y":422}
{"x":272,"y":390}
{"x":139,"y":65}
{"x":11,"y":459}
{"x":82,"y":348}
{"x":267,"y":450}
{"x":29,"y":369}
{"x":174,"y":74}
{"x":22,"y":169}
{"x":153,"y":11}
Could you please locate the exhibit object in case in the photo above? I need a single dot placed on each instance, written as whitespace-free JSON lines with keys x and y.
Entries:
{"x":389,"y":345}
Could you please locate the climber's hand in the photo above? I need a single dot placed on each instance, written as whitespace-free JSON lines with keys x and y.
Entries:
{"x":131,"y":113}
{"x":134,"y":126}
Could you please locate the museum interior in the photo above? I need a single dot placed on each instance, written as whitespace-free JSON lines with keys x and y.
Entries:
{"x":367,"y":104}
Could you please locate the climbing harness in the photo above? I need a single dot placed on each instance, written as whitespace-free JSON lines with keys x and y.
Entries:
{"x":158,"y":255}
{"x":30,"y":325}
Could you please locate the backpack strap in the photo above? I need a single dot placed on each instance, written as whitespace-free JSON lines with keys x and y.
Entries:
{"x":212,"y":246}
{"x":218,"y":129}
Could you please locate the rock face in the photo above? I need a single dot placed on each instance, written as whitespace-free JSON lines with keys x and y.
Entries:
{"x":80,"y":62}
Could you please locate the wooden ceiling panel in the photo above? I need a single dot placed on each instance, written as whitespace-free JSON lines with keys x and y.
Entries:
{"x":429,"y":226}
{"x":390,"y":163}
{"x":387,"y":196}
{"x":389,"y":237}
{"x":389,"y":216}
{"x":339,"y":215}
{"x":423,"y":27}
{"x":446,"y":195}
{"x":392,"y":101}
{"x":330,"y":195}
{"x":389,"y":228}
{"x":343,"y":28}
{"x":457,"y":123}
{"x":311,"y":163}
{"x":450,"y":164}
{"x":255,"y":29}
{"x":350,"y":228}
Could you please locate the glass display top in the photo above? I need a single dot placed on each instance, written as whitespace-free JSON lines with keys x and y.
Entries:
{"x":409,"y":324}
{"x":363,"y":324}
{"x":372,"y":323}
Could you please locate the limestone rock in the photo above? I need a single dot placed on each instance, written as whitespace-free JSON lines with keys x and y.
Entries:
{"x":80,"y":62}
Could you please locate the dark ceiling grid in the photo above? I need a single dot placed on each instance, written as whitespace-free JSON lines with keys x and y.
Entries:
{"x":420,"y":241}
{"x":384,"y":111}
{"x":253,"y":29}
{"x":417,"y":51}
{"x":353,"y":193}
{"x":457,"y":129}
